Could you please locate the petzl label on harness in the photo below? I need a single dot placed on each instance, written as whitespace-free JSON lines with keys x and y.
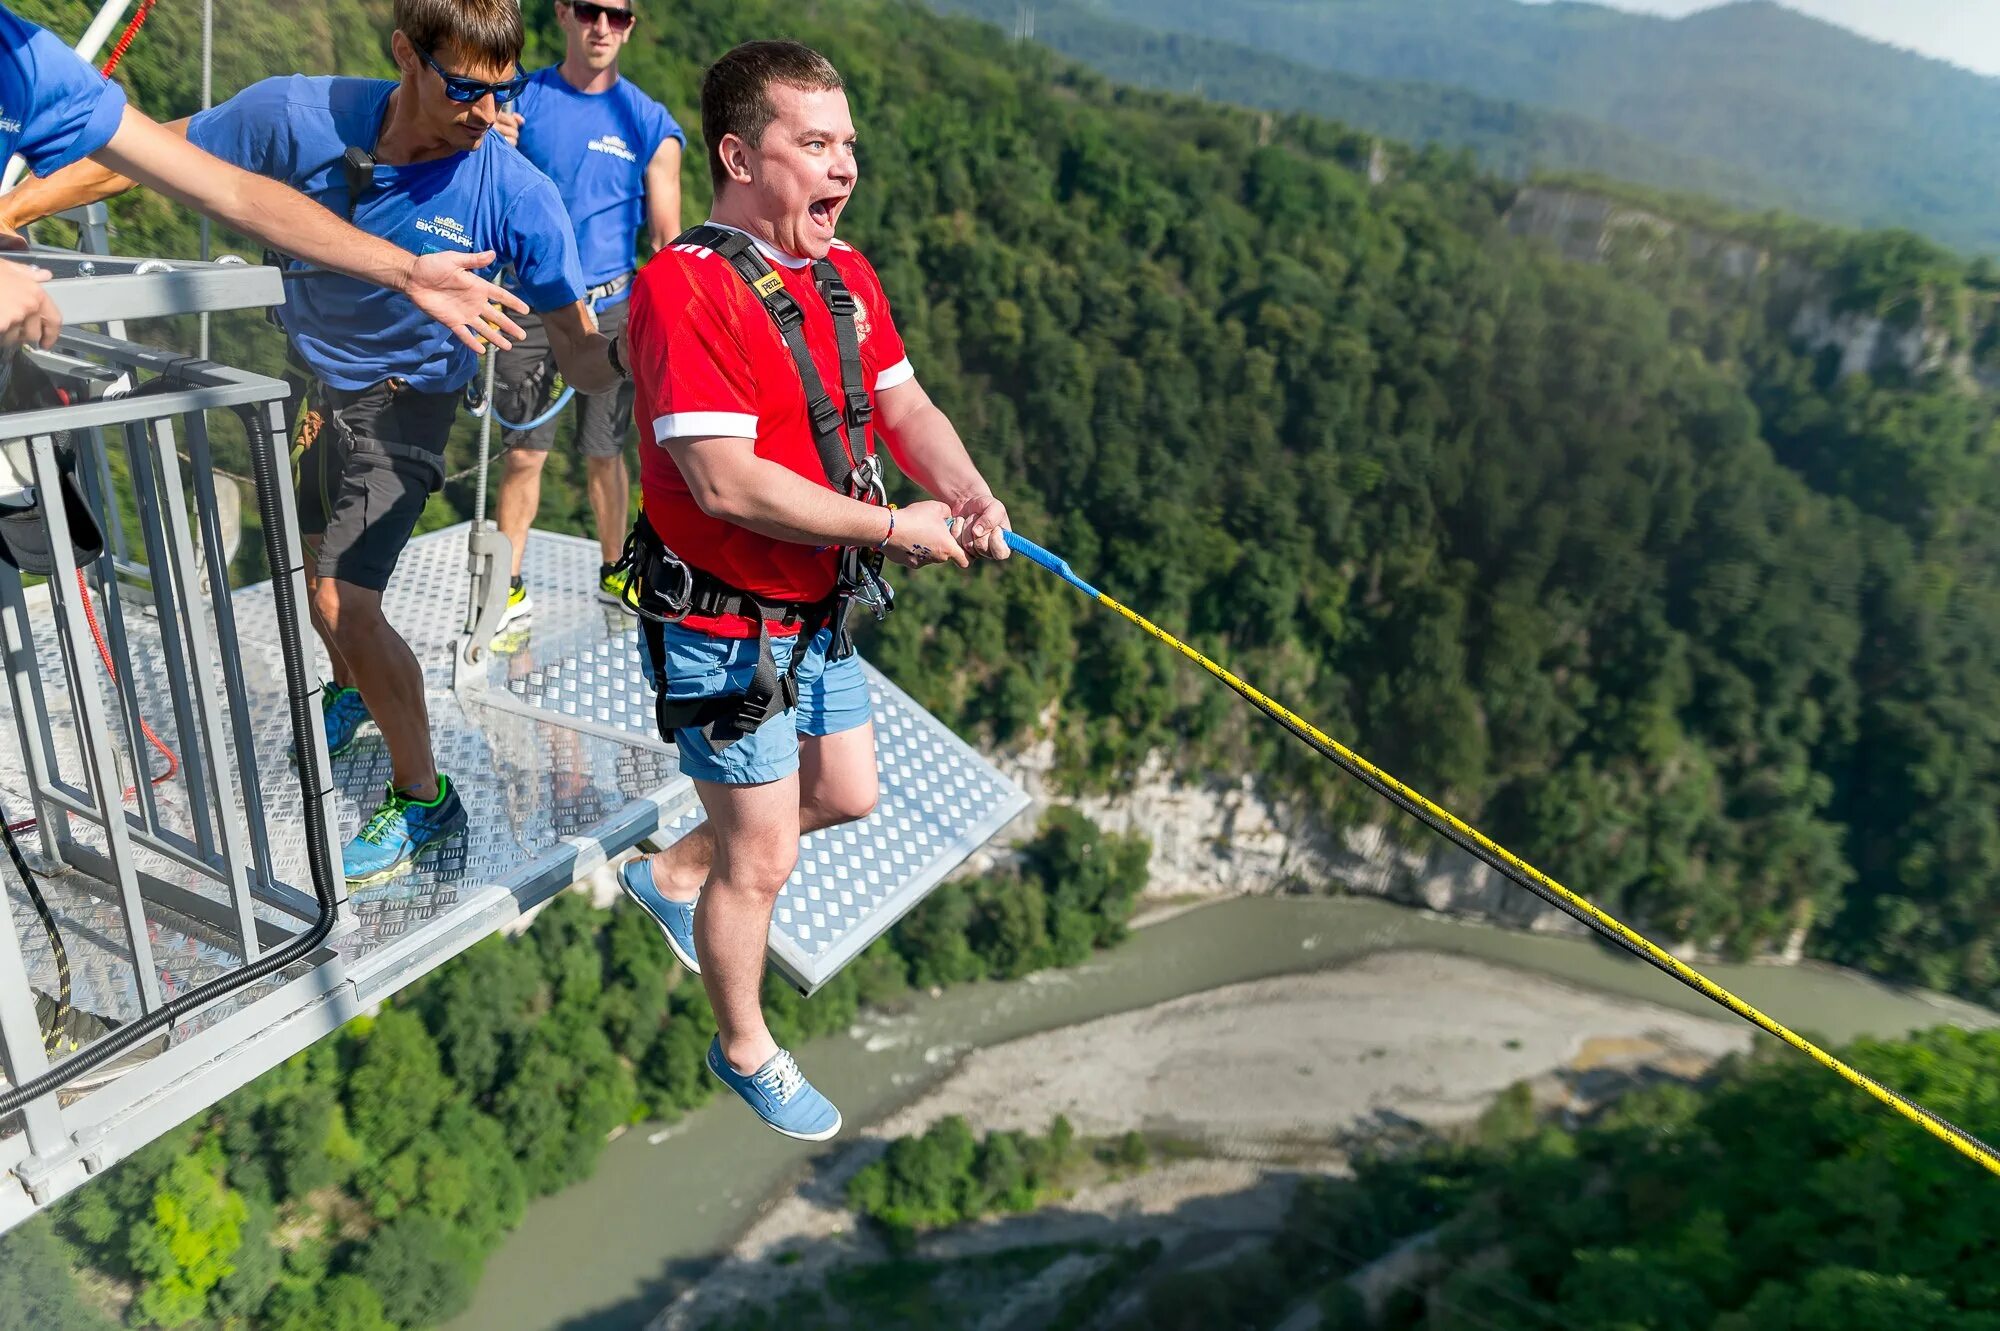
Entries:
{"x":768,"y":285}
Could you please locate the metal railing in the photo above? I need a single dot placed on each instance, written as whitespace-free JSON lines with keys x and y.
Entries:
{"x":112,"y":653}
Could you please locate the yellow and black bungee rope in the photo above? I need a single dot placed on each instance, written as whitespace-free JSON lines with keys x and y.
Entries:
{"x":1517,"y":870}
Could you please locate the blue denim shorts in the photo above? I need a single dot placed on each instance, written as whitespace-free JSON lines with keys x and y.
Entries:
{"x":832,"y":698}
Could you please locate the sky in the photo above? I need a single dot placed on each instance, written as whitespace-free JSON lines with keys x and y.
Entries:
{"x":1965,"y":32}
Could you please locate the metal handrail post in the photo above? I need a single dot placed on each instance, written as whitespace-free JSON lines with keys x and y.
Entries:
{"x":98,"y":759}
{"x":201,"y":661}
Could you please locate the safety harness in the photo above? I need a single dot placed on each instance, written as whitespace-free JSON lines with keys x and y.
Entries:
{"x":662,"y":588}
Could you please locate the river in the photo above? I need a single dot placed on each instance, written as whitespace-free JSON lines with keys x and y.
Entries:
{"x":607,"y":1253}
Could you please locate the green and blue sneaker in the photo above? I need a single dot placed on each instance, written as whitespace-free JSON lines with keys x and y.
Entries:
{"x":344,"y":713}
{"x":401,"y":830}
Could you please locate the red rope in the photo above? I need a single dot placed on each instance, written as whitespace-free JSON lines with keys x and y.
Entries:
{"x":125,"y":38}
{"x":104,"y":655}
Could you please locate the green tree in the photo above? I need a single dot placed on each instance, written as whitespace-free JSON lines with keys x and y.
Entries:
{"x":421,"y":1268}
{"x":189,"y":1244}
{"x":397,"y":1084}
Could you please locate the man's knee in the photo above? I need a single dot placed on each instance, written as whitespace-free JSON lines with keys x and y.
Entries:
{"x":846,"y":801}
{"x":761,"y":865}
{"x":344,"y":611}
{"x":523,"y":462}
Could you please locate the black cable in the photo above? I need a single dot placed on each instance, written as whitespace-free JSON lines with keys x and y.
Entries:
{"x":50,"y":1037}
{"x":277,"y":543}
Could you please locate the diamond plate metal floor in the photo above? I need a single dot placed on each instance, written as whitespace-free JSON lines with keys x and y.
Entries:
{"x":559,"y":768}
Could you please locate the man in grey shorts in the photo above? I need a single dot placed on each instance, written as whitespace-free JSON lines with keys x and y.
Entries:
{"x":408,"y":161}
{"x":615,"y":154}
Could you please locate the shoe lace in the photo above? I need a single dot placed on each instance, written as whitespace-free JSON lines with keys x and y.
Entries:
{"x":781,"y":1078}
{"x":387,"y":819}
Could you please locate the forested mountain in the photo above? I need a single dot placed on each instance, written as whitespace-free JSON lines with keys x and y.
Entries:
{"x":1604,"y":556}
{"x":1508,"y":138}
{"x":1790,"y":110}
{"x":1611,"y":556}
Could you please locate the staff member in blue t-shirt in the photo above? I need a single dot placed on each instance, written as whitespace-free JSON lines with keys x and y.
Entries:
{"x":56,"y":110}
{"x":616,"y":155}
{"x":384,"y":382}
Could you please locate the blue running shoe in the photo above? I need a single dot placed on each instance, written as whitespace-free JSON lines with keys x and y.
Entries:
{"x":402,"y":829}
{"x":344,"y":714}
{"x":780,"y":1094}
{"x":675,"y":918}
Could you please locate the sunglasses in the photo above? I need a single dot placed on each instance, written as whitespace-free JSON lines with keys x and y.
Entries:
{"x":462,"y":89}
{"x":588,"y":14}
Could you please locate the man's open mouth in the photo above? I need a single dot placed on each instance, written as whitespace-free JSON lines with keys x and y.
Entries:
{"x":826,"y":212}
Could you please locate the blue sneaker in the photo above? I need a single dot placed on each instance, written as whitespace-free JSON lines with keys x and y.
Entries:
{"x":675,"y":918}
{"x":402,"y":829}
{"x":780,"y":1094}
{"x":343,"y":713}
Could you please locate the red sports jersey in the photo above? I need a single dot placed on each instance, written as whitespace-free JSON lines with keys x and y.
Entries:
{"x":707,"y":360}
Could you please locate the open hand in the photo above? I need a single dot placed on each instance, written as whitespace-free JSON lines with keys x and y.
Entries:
{"x":508,"y":126}
{"x":27,"y":315}
{"x":446,"y":287}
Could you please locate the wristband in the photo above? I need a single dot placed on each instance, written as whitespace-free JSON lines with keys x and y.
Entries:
{"x":884,"y":542}
{"x":611,"y":354}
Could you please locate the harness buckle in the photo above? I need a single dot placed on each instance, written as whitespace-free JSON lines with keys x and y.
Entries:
{"x":867,"y":480}
{"x":785,"y":312}
{"x":825,"y":416}
{"x":659,"y":585}
{"x":860,"y":410}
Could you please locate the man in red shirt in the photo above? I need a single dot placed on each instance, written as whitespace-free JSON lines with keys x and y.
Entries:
{"x":766,"y":362}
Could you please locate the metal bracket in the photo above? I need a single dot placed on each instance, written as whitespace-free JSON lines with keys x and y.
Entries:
{"x":488,"y":554}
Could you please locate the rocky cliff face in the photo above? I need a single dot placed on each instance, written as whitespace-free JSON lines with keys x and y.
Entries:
{"x":1222,"y":839}
{"x":1593,"y":228}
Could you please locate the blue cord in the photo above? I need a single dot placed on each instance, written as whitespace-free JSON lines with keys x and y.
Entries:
{"x":1060,"y":567}
{"x":562,"y":400}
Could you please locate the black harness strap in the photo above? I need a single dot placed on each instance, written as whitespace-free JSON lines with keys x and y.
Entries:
{"x":663,"y":588}
{"x":844,"y":459}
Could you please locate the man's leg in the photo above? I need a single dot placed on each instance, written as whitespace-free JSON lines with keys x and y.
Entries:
{"x":386,"y":671}
{"x":837,"y":784}
{"x":520,"y":497}
{"x":522,"y":379}
{"x":756,"y":843}
{"x":610,"y":503}
{"x":603,"y":424}
{"x":343,"y":677}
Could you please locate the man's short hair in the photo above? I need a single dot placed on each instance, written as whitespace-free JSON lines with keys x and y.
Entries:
{"x":482,"y":31}
{"x":736,"y":92}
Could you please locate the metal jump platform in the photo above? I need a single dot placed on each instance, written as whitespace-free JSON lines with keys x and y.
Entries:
{"x":158,"y":886}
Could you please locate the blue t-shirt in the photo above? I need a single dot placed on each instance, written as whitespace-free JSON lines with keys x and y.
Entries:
{"x":596,"y":147}
{"x":353,"y":334}
{"x":54,"y":108}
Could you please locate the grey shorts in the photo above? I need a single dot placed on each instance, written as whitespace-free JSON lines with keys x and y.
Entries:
{"x":365,"y":476}
{"x":524,"y":386}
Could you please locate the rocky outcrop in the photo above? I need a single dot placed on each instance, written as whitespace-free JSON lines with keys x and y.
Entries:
{"x":1593,"y":228}
{"x":1220,"y":839}
{"x":1870,"y":344}
{"x":1590,"y":228}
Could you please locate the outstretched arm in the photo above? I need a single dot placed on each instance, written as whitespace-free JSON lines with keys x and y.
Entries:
{"x":581,"y":352}
{"x":158,"y":156}
{"x":926,"y":446}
